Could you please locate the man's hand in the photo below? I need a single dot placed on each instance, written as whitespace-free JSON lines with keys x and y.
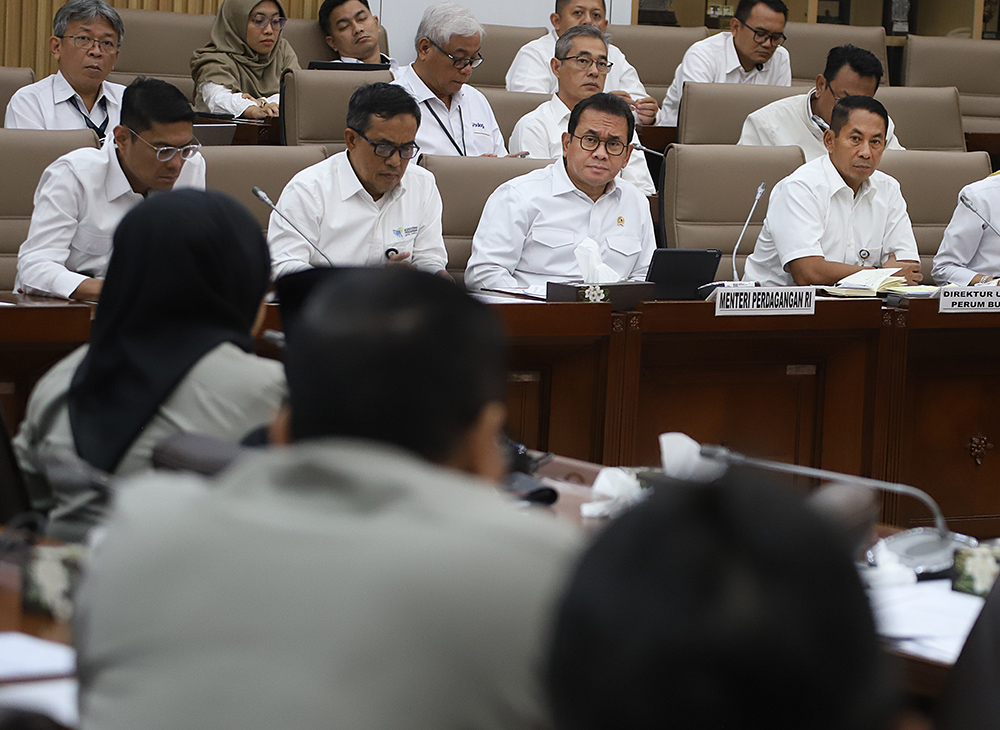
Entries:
{"x":645,"y":107}
{"x":88,"y":291}
{"x":908,"y":269}
{"x":260,"y":112}
{"x":399,"y":258}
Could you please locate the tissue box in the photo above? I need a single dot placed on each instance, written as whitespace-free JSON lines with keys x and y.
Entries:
{"x":622,"y":295}
{"x":976,"y":569}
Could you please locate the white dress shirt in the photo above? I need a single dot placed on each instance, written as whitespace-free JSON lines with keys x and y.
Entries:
{"x":790,"y":121}
{"x":79,"y":202}
{"x":813,"y":212}
{"x":539,"y":133}
{"x":714,"y":61}
{"x":382,"y":58}
{"x":220,"y":99}
{"x":468,"y":128}
{"x":531,"y":69}
{"x":330,"y":205}
{"x":531,"y":225}
{"x":969,"y":247}
{"x":47,"y":104}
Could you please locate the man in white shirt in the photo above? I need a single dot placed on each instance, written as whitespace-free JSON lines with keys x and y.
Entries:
{"x":366,"y":206}
{"x":531,"y":68}
{"x":531,"y":226}
{"x":456,"y":118}
{"x":970,"y":250}
{"x":802,"y":120}
{"x":86,"y":37}
{"x":353,"y":32}
{"x":837,"y":215}
{"x":83,"y":195}
{"x":750,"y":53}
{"x":581,"y":66}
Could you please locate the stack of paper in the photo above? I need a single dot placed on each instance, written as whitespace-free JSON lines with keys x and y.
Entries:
{"x":872,"y":282}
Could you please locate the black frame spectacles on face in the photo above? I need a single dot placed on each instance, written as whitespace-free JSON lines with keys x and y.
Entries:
{"x":585,"y":62}
{"x":597,"y":142}
{"x":460,"y":63}
{"x":85,"y":43}
{"x":760,"y":35}
{"x":406,"y":151}
{"x":166,"y":154}
{"x":262,"y":21}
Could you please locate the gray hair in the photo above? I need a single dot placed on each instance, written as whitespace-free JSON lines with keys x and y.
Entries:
{"x":443,"y":20}
{"x":565,"y":43}
{"x":87,"y":10}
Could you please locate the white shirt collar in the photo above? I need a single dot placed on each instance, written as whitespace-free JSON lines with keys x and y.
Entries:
{"x":837,"y":182}
{"x":732,"y":58}
{"x":562,"y":184}
{"x":816,"y":123}
{"x":116,"y":183}
{"x":62,"y":91}
{"x":422,"y":92}
{"x":350,"y":184}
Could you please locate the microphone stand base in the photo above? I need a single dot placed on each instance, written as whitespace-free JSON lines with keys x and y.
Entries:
{"x":924,"y":550}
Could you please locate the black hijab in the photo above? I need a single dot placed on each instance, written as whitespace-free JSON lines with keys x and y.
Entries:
{"x":187,"y":273}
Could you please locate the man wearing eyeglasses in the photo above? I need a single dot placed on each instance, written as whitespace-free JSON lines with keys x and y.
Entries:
{"x":83,"y":195}
{"x":532,"y":226}
{"x":366,"y":206}
{"x":456,"y":119}
{"x":801,"y":120}
{"x":86,"y":36}
{"x":750,"y":53}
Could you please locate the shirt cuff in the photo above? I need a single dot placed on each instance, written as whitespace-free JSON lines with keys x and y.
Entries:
{"x":66,"y":282}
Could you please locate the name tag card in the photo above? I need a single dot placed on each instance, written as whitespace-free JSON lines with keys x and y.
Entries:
{"x":765,"y":300}
{"x":956,"y":299}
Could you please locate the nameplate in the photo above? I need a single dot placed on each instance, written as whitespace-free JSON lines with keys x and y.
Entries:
{"x":963,"y":299}
{"x":765,"y":300}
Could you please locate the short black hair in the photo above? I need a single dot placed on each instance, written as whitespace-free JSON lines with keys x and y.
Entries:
{"x":843,"y":108}
{"x":746,"y":7}
{"x":607,"y":104}
{"x":382,"y":100}
{"x":328,"y":7}
{"x":149,"y":101}
{"x":394,"y":355}
{"x":560,"y":4}
{"x":862,"y":62}
{"x":724,"y":605}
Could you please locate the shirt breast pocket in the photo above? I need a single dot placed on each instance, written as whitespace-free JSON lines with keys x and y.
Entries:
{"x":552,"y":252}
{"x":623,"y":252}
{"x":92,"y":243}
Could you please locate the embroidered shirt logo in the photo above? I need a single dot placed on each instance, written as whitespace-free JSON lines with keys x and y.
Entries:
{"x":406,"y":232}
{"x":479,"y":125}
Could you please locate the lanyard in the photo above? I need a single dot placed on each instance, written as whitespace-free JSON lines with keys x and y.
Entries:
{"x":461,"y":150}
{"x":103,"y":103}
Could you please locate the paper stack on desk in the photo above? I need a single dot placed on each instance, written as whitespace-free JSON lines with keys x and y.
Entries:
{"x":872,"y":282}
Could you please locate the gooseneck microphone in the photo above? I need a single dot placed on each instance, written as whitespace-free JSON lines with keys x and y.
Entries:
{"x":760,"y":192}
{"x":262,"y":197}
{"x":638,"y":146}
{"x":964,"y":199}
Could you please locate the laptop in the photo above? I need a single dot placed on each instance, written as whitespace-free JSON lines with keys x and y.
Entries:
{"x":679,"y":272}
{"x":215,"y":135}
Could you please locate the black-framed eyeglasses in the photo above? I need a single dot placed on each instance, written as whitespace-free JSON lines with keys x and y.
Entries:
{"x":382,"y":149}
{"x":85,"y":43}
{"x":262,"y":21}
{"x":760,"y":35}
{"x":583,"y":63}
{"x":589,"y":142}
{"x":166,"y":154}
{"x":460,"y":63}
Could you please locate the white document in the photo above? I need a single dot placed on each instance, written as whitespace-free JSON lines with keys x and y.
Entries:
{"x":56,"y":698}
{"x":23,"y":656}
{"x":868,"y":279}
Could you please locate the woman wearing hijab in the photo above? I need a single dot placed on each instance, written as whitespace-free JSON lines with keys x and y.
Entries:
{"x":171,"y":350}
{"x":239,"y":71}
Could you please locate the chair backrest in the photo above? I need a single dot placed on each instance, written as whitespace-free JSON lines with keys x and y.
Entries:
{"x":655,"y":51}
{"x":314,"y":103}
{"x":236,"y":170}
{"x":708,"y":191}
{"x":509,"y":106}
{"x":500,"y":44}
{"x":808,"y":44}
{"x":160,"y":44}
{"x":930,"y":183}
{"x":12,"y":79}
{"x":465,"y":184}
{"x":26,"y":153}
{"x":714,"y":113}
{"x":969,"y":65}
{"x":925,"y":118}
{"x":14,"y":497}
{"x":308,"y":41}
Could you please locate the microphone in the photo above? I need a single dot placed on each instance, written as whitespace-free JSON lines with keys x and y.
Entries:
{"x":262,"y":197}
{"x":964,"y":199}
{"x":760,"y":192}
{"x":638,"y":146}
{"x":760,"y":66}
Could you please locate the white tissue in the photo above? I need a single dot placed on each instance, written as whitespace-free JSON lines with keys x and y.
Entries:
{"x":888,"y":569}
{"x":614,"y":490}
{"x":681,"y":458}
{"x":592,"y":266}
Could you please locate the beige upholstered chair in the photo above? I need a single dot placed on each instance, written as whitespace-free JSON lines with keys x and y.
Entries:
{"x":655,"y":52}
{"x":12,"y":79}
{"x":26,"y":153}
{"x":236,"y":170}
{"x":465,"y":184}
{"x":160,"y":44}
{"x":509,"y":106}
{"x":708,"y":191}
{"x":925,"y":118}
{"x":309,"y":41}
{"x":500,"y":44}
{"x":714,"y":113}
{"x":969,"y":65}
{"x":808,"y":44}
{"x":930,"y":182}
{"x":314,"y":104}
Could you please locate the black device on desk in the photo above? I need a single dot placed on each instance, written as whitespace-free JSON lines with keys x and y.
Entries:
{"x":679,"y":273}
{"x":347,"y":66}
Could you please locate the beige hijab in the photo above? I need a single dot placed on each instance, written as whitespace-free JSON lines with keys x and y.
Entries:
{"x":228,"y":61}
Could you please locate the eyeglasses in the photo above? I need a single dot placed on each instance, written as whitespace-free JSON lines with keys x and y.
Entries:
{"x":760,"y":35}
{"x":583,"y":63}
{"x":166,"y":154}
{"x":460,"y":63}
{"x":590,"y":143}
{"x":406,"y":151}
{"x":85,"y":43}
{"x":262,"y":21}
